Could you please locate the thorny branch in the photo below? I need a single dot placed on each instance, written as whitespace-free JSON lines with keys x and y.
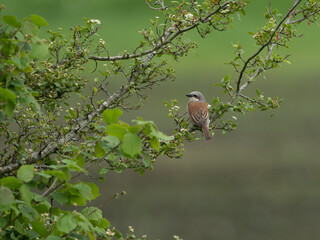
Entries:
{"x":169,"y":34}
{"x":239,"y":87}
{"x":167,"y":37}
{"x":270,"y":45}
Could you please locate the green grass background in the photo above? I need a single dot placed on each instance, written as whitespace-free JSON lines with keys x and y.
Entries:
{"x":261,"y":181}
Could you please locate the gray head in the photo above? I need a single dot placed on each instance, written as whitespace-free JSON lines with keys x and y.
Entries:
{"x":196,"y":96}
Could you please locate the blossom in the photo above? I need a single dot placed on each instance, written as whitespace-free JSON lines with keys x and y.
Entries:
{"x":189,"y":16}
{"x":97,"y":21}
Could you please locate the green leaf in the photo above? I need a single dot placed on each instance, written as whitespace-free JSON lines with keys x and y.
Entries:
{"x":42,"y":174}
{"x":39,"y":227}
{"x":77,"y":236}
{"x":111,"y":115}
{"x":20,"y":36}
{"x":91,"y":236}
{"x":66,"y":223}
{"x":25,"y":173}
{"x":10,"y":99}
{"x":258,"y":92}
{"x":155,"y":143}
{"x":104,"y":223}
{"x":26,"y":195}
{"x":3,"y":222}
{"x":134,"y":129}
{"x":53,"y":238}
{"x":61,"y":197}
{"x":39,"y":21}
{"x":116,"y":130}
{"x":80,"y":160}
{"x":59,"y":174}
{"x":39,"y":50}
{"x":42,"y":207}
{"x":11,"y":20}
{"x":226,"y":79}
{"x":28,"y":98}
{"x":92,"y":213}
{"x":84,"y":190}
{"x":150,"y":125}
{"x":29,"y":212}
{"x":73,"y":165}
{"x":7,"y":94}
{"x":160,"y":135}
{"x":131,"y":144}
{"x":142,"y":122}
{"x":21,"y":62}
{"x":94,"y":190}
{"x":19,"y":226}
{"x":29,"y":28}
{"x":1,"y":117}
{"x":98,"y":150}
{"x":9,"y":108}
{"x":77,"y":200}
{"x":112,"y":141}
{"x":6,"y":198}
{"x":103,"y":171}
{"x":84,"y":223}
{"x":10,"y":182}
{"x":118,"y":234}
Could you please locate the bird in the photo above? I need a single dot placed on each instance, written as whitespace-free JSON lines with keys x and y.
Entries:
{"x":198,"y":112}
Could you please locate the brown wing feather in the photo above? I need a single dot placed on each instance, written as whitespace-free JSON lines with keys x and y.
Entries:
{"x":198,"y":112}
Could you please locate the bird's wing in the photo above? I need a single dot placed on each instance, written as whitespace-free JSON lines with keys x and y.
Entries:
{"x":198,"y":112}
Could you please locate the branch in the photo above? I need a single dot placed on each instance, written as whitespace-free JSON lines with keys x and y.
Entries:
{"x":304,"y":17}
{"x":252,"y":100}
{"x":296,"y":3}
{"x":166,"y":39}
{"x":51,"y":188}
{"x":158,"y":2}
{"x":270,"y":46}
{"x":53,"y":147}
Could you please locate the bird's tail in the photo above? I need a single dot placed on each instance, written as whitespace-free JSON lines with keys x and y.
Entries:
{"x":206,"y":133}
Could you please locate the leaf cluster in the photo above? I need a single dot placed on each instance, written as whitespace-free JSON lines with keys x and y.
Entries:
{"x":51,"y":140}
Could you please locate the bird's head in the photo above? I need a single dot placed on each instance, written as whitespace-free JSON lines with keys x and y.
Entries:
{"x":196,"y":96}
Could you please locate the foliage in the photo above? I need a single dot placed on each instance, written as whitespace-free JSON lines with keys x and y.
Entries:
{"x":48,"y":141}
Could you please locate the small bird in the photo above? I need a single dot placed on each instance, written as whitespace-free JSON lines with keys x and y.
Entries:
{"x":198,"y":112}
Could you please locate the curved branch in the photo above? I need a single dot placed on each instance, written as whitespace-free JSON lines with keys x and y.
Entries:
{"x":53,"y":147}
{"x":265,"y":45}
{"x":158,"y":2}
{"x":168,"y":36}
{"x":270,"y":46}
{"x":166,"y":39}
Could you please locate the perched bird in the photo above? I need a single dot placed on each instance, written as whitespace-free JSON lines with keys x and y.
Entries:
{"x":198,"y":112}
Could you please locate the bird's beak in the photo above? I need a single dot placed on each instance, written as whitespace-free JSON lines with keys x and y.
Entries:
{"x":188,"y":95}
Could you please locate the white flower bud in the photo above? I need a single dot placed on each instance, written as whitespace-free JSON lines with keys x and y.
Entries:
{"x":189,"y":16}
{"x":97,"y":21}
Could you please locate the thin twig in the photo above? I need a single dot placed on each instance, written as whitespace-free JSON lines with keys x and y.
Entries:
{"x":265,"y":45}
{"x":164,"y":40}
{"x":49,"y":190}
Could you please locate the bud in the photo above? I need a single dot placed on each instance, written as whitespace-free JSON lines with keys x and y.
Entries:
{"x":189,"y":16}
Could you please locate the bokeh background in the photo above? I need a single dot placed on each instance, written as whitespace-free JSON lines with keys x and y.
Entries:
{"x":261,"y":181}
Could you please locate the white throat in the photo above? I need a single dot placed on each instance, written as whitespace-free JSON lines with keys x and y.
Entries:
{"x":193,"y":99}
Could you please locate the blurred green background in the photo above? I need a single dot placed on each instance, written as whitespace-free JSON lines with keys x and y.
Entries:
{"x":261,"y":181}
